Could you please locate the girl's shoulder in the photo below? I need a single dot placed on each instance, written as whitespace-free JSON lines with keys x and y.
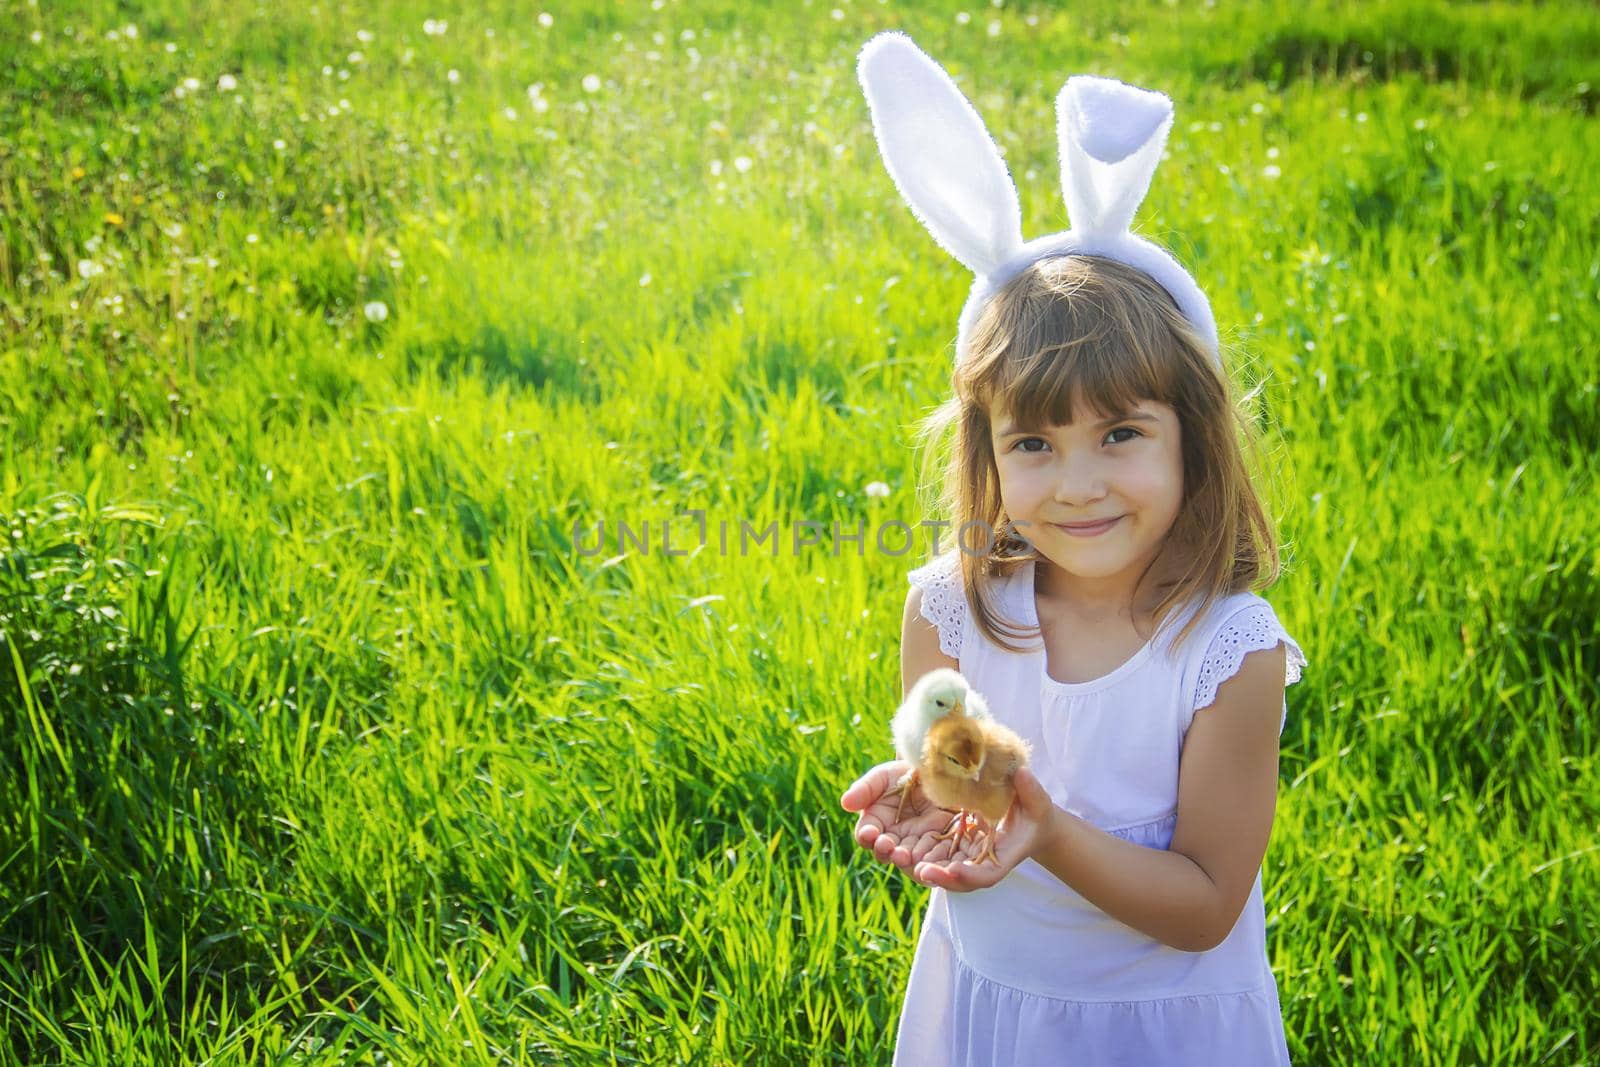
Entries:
{"x":944,"y":599}
{"x":1232,"y":627}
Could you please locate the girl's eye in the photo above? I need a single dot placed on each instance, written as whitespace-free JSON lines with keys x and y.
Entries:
{"x":1028,"y":440}
{"x":1124,"y":429}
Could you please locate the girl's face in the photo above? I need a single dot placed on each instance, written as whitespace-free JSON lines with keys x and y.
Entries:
{"x":1119,"y":480}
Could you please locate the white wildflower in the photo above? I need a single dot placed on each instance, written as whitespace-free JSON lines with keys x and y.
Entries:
{"x":376,"y":311}
{"x":227,"y":83}
{"x":434,"y":27}
{"x":742,"y":164}
{"x":1271,"y":170}
{"x":546,"y":19}
{"x":877,"y":490}
{"x":88,"y":268}
{"x":591,"y":83}
{"x":452,"y":75}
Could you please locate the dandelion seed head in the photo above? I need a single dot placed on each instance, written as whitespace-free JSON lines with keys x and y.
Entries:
{"x":375,"y":311}
{"x":591,"y":83}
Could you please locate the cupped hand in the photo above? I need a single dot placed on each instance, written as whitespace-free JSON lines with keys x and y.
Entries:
{"x":946,"y":865}
{"x":901,"y":839}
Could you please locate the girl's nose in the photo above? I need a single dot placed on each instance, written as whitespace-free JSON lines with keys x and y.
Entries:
{"x":1079,"y":482}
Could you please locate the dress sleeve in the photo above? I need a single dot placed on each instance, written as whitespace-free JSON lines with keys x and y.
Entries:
{"x":944,"y":602}
{"x":1254,"y":628}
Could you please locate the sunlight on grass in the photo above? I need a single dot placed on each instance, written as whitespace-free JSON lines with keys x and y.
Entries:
{"x":321,"y":738}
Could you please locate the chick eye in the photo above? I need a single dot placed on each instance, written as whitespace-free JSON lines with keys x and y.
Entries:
{"x":952,"y":759}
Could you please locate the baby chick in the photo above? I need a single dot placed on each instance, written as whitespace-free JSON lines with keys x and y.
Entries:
{"x":935,"y":695}
{"x":968,"y":764}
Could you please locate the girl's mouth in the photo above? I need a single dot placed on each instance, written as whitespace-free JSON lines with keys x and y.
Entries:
{"x":1093,"y":530}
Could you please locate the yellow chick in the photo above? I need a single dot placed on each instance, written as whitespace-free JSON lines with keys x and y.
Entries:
{"x":967,"y":765}
{"x":938,"y":693}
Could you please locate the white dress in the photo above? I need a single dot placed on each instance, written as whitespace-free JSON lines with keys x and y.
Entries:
{"x":1028,"y":972}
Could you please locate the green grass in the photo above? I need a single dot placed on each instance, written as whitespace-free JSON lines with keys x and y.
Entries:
{"x":321,"y":743}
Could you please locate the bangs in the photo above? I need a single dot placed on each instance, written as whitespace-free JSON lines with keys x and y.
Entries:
{"x":1076,"y":334}
{"x":1045,"y":387}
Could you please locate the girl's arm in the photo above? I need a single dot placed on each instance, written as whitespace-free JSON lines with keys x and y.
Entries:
{"x":1189,"y":895}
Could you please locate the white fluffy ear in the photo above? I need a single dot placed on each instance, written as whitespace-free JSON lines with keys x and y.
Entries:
{"x":1111,"y":139}
{"x":939,"y":154}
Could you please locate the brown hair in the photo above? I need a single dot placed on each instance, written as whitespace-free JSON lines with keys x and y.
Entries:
{"x":1084,"y":326}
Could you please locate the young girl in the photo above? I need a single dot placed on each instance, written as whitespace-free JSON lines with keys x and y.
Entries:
{"x":1109,"y":621}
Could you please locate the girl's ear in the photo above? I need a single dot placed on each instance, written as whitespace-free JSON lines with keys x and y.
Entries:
{"x":1111,"y":138}
{"x":939,"y":154}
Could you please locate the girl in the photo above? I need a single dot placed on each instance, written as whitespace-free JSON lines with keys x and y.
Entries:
{"x":1109,"y":621}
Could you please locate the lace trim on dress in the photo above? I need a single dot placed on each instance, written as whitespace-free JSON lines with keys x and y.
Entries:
{"x":1250,"y":630}
{"x":944,"y":603}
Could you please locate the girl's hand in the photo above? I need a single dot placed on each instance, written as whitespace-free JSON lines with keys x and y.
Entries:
{"x":897,"y":839}
{"x":944,"y":866}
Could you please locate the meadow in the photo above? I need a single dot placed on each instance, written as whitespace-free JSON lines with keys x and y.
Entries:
{"x":325,"y":329}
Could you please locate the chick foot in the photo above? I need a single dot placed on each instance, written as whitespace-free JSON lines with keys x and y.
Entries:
{"x":987,"y":852}
{"x":903,"y":787}
{"x":956,"y":829}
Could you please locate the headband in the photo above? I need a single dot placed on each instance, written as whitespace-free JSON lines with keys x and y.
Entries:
{"x":949,"y":171}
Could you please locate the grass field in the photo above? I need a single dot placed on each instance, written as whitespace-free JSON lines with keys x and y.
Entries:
{"x":322,"y":326}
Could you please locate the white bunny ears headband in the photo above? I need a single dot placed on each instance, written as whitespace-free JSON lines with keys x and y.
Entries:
{"x":948,"y":169}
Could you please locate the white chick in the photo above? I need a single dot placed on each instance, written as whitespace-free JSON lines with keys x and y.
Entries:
{"x":936,"y":694}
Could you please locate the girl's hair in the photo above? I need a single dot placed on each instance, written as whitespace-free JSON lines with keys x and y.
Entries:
{"x":1083,"y":328}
